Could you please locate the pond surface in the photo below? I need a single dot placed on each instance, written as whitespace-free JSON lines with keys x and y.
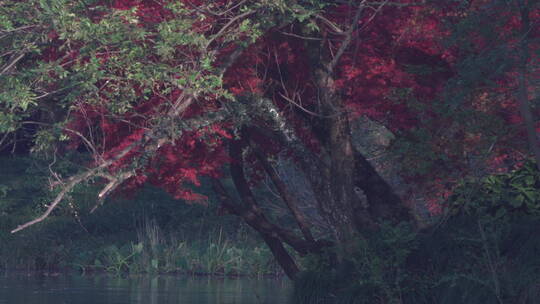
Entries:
{"x":106,"y":289}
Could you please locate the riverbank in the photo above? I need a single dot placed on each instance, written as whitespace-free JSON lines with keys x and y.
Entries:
{"x":146,"y":232}
{"x":147,"y":250}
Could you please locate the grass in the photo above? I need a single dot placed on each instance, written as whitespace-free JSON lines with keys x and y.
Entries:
{"x":155,"y":252}
{"x":150,"y":250}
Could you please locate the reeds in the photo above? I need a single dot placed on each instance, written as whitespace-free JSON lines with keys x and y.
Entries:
{"x":156,"y":252}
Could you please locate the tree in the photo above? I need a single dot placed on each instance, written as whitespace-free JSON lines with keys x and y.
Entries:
{"x":169,"y":92}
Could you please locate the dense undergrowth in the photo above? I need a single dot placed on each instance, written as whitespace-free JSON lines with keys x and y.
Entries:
{"x":485,"y":249}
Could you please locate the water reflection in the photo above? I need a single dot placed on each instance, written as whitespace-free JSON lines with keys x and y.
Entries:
{"x":104,"y":289}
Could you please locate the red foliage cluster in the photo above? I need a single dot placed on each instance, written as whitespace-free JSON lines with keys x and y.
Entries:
{"x":187,"y":161}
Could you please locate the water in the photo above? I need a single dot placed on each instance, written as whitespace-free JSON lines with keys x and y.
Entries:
{"x":106,"y":289}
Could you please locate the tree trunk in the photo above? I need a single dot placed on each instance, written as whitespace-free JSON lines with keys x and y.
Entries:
{"x":349,"y":169}
{"x":281,"y":255}
{"x":522,"y":95}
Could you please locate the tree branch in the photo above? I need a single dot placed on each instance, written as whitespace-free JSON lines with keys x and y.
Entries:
{"x":348,"y":37}
{"x":274,"y":243}
{"x":254,"y":216}
{"x":68,"y":187}
{"x":287,"y":197}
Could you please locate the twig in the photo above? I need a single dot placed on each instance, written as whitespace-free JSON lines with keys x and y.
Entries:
{"x":301,"y":37}
{"x":86,"y":140}
{"x":348,"y":38}
{"x":309,"y":111}
{"x":18,"y":29}
{"x":397,"y":4}
{"x":331,"y":24}
{"x":12,"y":63}
{"x":226,"y":26}
{"x":3,"y":139}
{"x":207,"y":11}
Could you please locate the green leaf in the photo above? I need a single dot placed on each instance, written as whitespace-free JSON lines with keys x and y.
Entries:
{"x":529,"y":180}
{"x":518,"y":201}
{"x":4,"y":190}
{"x":530,"y":193}
{"x":501,"y":212}
{"x":138,"y":247}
